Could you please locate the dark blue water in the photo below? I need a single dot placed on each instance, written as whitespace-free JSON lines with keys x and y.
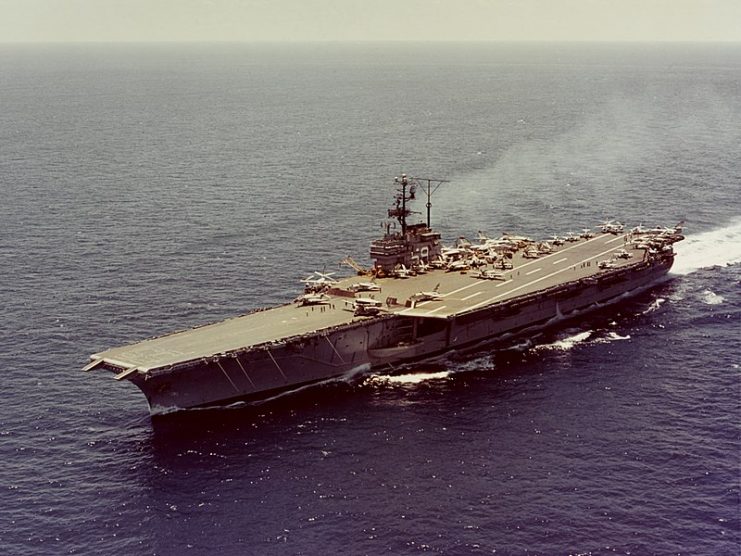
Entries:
{"x":151,"y":188}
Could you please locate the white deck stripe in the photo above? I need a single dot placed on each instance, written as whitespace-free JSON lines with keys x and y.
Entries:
{"x":533,"y":271}
{"x":561,"y":260}
{"x":541,"y":259}
{"x":486,"y":302}
{"x":460,"y":289}
{"x":436,"y":310}
{"x":483,"y":283}
{"x":614,"y":239}
{"x":579,"y":244}
{"x":470,"y":296}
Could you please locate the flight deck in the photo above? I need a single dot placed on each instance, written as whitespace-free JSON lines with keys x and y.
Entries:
{"x":459,"y":292}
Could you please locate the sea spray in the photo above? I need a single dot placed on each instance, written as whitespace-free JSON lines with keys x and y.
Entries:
{"x":707,"y":249}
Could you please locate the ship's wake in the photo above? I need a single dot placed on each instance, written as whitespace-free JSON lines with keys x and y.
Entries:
{"x":570,"y":341}
{"x":711,"y":298}
{"x":566,"y":343}
{"x":714,"y":248}
{"x":408,"y":378}
{"x":655,"y":304}
{"x":450,"y":366}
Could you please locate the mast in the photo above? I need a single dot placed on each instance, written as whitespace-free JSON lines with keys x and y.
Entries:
{"x":429,"y":191}
{"x":400,"y":210}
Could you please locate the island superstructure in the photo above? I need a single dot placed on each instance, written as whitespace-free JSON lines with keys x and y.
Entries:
{"x":419,"y":300}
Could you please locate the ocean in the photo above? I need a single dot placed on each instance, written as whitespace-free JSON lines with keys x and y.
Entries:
{"x":150,"y":188}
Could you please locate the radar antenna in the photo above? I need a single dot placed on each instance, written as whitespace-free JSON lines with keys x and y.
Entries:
{"x":400,"y":210}
{"x":437,"y":182}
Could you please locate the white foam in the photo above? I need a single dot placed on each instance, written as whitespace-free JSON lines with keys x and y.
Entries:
{"x":162,"y":410}
{"x":713,"y":248}
{"x":654,"y":305}
{"x":614,"y":337}
{"x":569,"y":342}
{"x":711,"y":298}
{"x":411,"y":378}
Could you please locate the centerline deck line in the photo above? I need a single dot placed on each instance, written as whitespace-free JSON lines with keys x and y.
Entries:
{"x":487,"y":301}
{"x":529,"y":263}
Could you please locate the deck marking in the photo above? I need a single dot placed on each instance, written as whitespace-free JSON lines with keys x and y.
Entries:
{"x":435,"y":310}
{"x":561,"y":260}
{"x":577,"y":244}
{"x":460,"y":289}
{"x":614,"y":239}
{"x":503,"y":284}
{"x":470,"y":296}
{"x":533,"y":271}
{"x":487,"y":301}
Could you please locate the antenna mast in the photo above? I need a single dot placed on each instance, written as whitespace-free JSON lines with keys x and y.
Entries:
{"x":429,"y":191}
{"x":400,"y":210}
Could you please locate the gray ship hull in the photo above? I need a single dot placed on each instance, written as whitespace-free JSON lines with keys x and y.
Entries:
{"x":356,"y":347}
{"x":432,"y":300}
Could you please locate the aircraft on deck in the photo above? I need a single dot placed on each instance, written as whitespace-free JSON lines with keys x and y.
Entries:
{"x":312,"y":299}
{"x":475,"y":262}
{"x":422,"y":267}
{"x":367,"y":306}
{"x":402,"y":272}
{"x":545,"y":247}
{"x":319,"y":281}
{"x":611,"y":227}
{"x":364,"y":287}
{"x":418,"y":297}
{"x":516,"y":239}
{"x":489,"y":274}
{"x":458,"y":265}
{"x":453,"y":252}
{"x":437,"y":263}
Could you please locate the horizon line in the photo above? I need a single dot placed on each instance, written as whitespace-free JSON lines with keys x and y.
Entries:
{"x":384,"y":41}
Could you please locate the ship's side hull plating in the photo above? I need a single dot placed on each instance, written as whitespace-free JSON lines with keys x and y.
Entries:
{"x":263,"y":372}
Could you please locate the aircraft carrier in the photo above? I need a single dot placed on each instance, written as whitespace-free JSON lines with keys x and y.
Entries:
{"x":419,"y":300}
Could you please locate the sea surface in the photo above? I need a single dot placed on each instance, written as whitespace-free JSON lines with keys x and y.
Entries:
{"x":150,"y":188}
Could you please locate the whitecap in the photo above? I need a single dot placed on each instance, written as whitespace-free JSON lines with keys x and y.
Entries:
{"x":711,"y":298}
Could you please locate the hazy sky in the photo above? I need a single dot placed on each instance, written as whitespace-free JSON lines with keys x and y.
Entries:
{"x":363,"y":20}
